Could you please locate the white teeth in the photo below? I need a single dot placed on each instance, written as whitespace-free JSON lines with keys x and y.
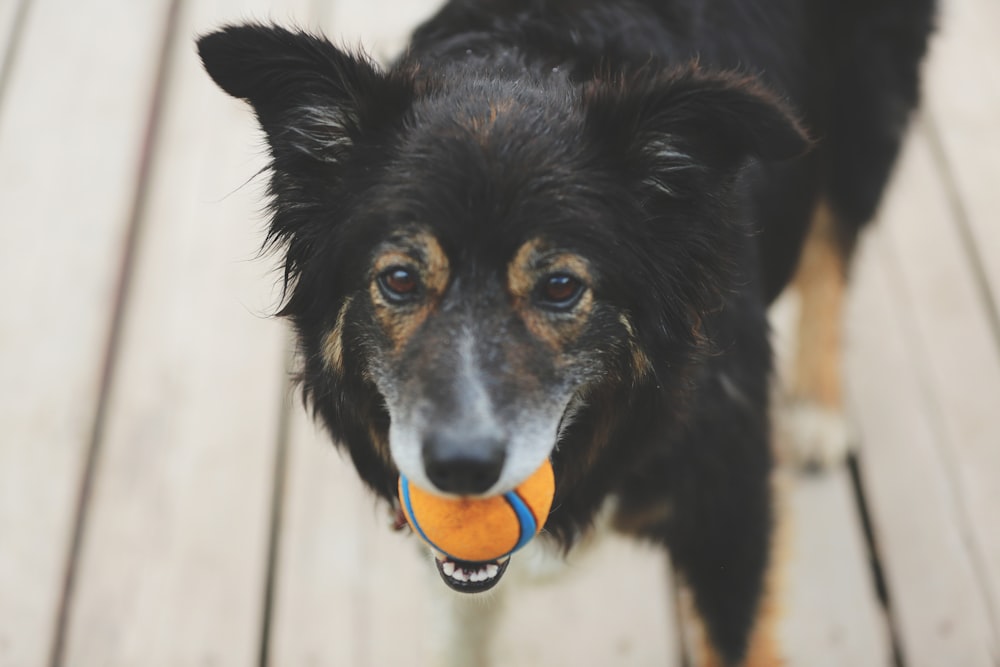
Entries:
{"x":488,"y":571}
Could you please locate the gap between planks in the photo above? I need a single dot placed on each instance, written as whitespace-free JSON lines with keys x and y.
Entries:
{"x":13,"y":17}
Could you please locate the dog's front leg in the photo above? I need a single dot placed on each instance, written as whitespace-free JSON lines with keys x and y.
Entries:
{"x":462,"y":625}
{"x":812,"y":424}
{"x":722,"y":538}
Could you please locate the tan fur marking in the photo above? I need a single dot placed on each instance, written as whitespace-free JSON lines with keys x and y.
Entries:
{"x":641,"y":365}
{"x":520,"y":278}
{"x":333,"y":343}
{"x":422,"y":252}
{"x":588,"y":455}
{"x":820,"y":281}
{"x":529,"y":265}
{"x":644,"y":519}
{"x":381,"y":443}
{"x":481,"y":125}
{"x":398,"y":324}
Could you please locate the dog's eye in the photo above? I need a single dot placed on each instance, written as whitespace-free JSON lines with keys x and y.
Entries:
{"x":399,"y":284}
{"x":559,"y":291}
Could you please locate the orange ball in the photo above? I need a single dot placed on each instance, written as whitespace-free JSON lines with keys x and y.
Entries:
{"x":480,"y":529}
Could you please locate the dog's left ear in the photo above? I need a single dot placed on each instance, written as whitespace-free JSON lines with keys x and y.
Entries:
{"x":312,"y":99}
{"x":676,"y":125}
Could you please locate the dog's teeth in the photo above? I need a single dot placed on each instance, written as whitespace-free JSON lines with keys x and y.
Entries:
{"x":487,"y":571}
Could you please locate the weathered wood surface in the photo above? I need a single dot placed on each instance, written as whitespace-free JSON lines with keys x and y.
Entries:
{"x":962,"y":103}
{"x":832,"y":614}
{"x":70,"y":148}
{"x":172,"y":566}
{"x":11,"y":13}
{"x":950,"y":331}
{"x":939,"y":601}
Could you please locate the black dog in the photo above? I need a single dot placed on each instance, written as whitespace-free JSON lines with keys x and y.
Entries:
{"x":552,"y":229}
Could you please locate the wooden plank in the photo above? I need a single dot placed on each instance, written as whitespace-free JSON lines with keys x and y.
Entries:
{"x":172,"y":566}
{"x":611,"y":606}
{"x":832,"y":615}
{"x":9,"y":9}
{"x":324,"y":576}
{"x":72,"y":143}
{"x":937,"y":602}
{"x":831,"y":612}
{"x":961,"y":368}
{"x":963,"y":103}
{"x":11,"y":12}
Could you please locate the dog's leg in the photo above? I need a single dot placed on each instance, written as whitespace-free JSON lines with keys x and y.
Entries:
{"x":722,"y":540}
{"x":811,"y":420}
{"x":463,"y":625}
{"x":762,"y":650}
{"x":763,"y":647}
{"x":716,"y":618}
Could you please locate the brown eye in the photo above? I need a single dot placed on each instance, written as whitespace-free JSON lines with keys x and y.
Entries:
{"x":398,"y":284}
{"x":559,"y":291}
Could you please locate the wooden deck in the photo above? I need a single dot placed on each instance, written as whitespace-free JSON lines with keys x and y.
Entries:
{"x":164,"y":502}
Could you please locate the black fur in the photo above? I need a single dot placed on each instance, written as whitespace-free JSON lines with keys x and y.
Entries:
{"x":664,"y":141}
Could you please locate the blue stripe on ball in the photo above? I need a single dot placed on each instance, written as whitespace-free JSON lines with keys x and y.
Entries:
{"x":413,"y":517}
{"x":525,"y":519}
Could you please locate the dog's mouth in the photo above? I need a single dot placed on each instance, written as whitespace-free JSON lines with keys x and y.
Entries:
{"x":466,"y":577}
{"x":462,"y":576}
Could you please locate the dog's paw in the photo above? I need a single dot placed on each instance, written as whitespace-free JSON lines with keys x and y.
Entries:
{"x":812,"y":436}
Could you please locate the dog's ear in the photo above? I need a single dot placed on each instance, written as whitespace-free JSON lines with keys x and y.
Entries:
{"x":677,"y":125}
{"x":312,"y":99}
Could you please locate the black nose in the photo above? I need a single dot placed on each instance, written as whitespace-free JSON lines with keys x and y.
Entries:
{"x":463,"y":464}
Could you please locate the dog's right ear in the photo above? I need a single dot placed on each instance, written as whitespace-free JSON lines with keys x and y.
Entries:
{"x":312,"y":99}
{"x":676,"y":126}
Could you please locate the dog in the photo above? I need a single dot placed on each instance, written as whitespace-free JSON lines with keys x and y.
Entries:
{"x":551,"y":230}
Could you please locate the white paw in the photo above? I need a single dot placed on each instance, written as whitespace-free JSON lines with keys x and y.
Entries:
{"x":811,"y":436}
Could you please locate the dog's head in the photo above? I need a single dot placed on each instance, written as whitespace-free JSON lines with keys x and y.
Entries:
{"x":472,"y":251}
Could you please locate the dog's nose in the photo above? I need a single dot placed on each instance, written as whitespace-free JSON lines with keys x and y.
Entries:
{"x":463,"y":465}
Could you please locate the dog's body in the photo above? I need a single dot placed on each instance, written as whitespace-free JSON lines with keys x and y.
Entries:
{"x":552,"y":229}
